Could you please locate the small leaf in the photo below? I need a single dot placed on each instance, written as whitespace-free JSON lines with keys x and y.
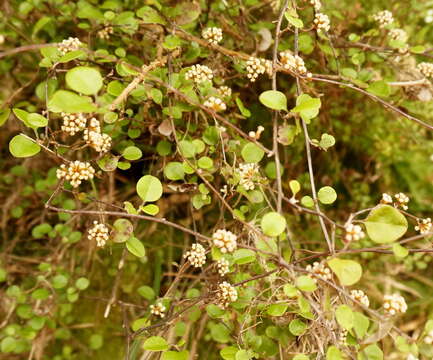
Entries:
{"x":21,"y":146}
{"x":132,"y":153}
{"x":373,"y":352}
{"x":385,"y":224}
{"x":147,"y":292}
{"x":69,"y":102}
{"x":345,"y":317}
{"x":379,"y":88}
{"x":307,"y":201}
{"x":297,"y":327}
{"x":399,"y":251}
{"x":252,"y":153}
{"x":273,"y":99}
{"x":361,"y":324}
{"x":244,"y":111}
{"x":4,"y":115}
{"x":348,"y":271}
{"x":174,"y":171}
{"x":326,"y":141}
{"x":84,"y":80}
{"x":327,"y":195}
{"x":307,"y":107}
{"x":295,"y":186}
{"x":149,"y":188}
{"x":277,"y":309}
{"x":175,"y":355}
{"x":333,"y":353}
{"x":122,"y":230}
{"x":135,"y":247}
{"x":273,"y":224}
{"x":150,"y":209}
{"x":155,"y":343}
{"x":296,"y":22}
{"x":244,"y":256}
{"x":305,"y":283}
{"x":37,"y":120}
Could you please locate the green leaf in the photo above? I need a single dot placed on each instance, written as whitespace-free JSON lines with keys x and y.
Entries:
{"x":132,"y":153}
{"x":174,"y":171}
{"x":59,"y":281}
{"x":290,"y":290}
{"x":385,"y":224}
{"x":244,"y":256}
{"x":122,"y":230}
{"x":251,"y":153}
{"x":297,"y":327}
{"x":175,"y":355}
{"x":205,"y":162}
{"x":69,"y":102}
{"x":37,"y":120}
{"x":4,"y":115}
{"x":82,"y":283}
{"x":273,"y":224}
{"x":72,"y":55}
{"x":326,"y":141}
{"x":307,"y":201}
{"x":305,"y":283}
{"x":399,"y":251}
{"x":84,"y":80}
{"x":96,"y":341}
{"x":244,"y":111}
{"x":295,"y":186}
{"x":229,"y":353}
{"x":360,"y":324}
{"x":327,"y":195}
{"x":150,"y":15}
{"x":373,"y":352}
{"x":333,"y":353}
{"x":149,"y":188}
{"x":277,"y":309}
{"x":147,"y":292}
{"x":296,"y":22}
{"x":307,"y":107}
{"x":379,"y":88}
{"x":155,"y":343}
{"x":135,"y":247}
{"x":150,"y":209}
{"x":273,"y":99}
{"x":301,"y":357}
{"x":8,"y":344}
{"x":187,"y":149}
{"x":345,"y":317}
{"x":348,"y":271}
{"x":242,"y":355}
{"x":21,"y":146}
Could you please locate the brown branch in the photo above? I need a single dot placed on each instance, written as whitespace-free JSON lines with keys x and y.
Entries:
{"x":24,"y":49}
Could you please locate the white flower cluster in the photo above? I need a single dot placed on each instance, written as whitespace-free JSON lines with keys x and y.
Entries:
{"x":361,"y":297}
{"x":256,"y":67}
{"x":225,"y":240}
{"x":95,"y":138}
{"x":199,"y":73}
{"x":224,"y":91}
{"x":226,"y":294}
{"x":320,"y":270}
{"x":386,"y":199}
{"x":322,"y":22}
{"x":70,"y":44}
{"x":73,"y":123}
{"x":216,"y":104}
{"x":294,"y":63}
{"x":394,"y":304}
{"x":105,"y":32}
{"x":256,"y":134}
{"x":98,"y":233}
{"x":223,"y":267}
{"x":248,"y":173}
{"x":214,"y":35}
{"x":196,"y":256}
{"x":397,"y":34}
{"x":424,"y":226}
{"x":428,"y":339}
{"x":353,"y":233}
{"x":426,"y":69}
{"x":401,"y":200}
{"x":158,"y":309}
{"x":316,"y":4}
{"x":384,"y":18}
{"x":76,"y":172}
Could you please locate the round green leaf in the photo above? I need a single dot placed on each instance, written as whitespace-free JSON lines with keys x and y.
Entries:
{"x":36,"y":120}
{"x":306,"y":283}
{"x":84,"y":80}
{"x":297,"y":327}
{"x":277,"y":309}
{"x":132,"y":153}
{"x":21,"y":146}
{"x":252,"y":153}
{"x":273,"y":99}
{"x":348,"y":271}
{"x":149,"y":188}
{"x":155,"y":343}
{"x":273,"y":224}
{"x":345,"y":317}
{"x":174,"y":171}
{"x":205,"y":162}
{"x":327,"y":195}
{"x":135,"y":247}
{"x":82,"y":283}
{"x":385,"y":224}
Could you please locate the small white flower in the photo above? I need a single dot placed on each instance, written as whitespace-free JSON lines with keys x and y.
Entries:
{"x":386,"y":199}
{"x":316,"y":4}
{"x":353,"y":233}
{"x":322,"y":22}
{"x":320,"y":270}
{"x":294,"y":63}
{"x":158,"y":309}
{"x":196,"y":256}
{"x":76,"y":172}
{"x":105,"y":32}
{"x":216,"y":104}
{"x":426,"y":69}
{"x":401,"y":200}
{"x":70,"y":44}
{"x":398,"y":34}
{"x":384,"y":18}
{"x":360,"y":296}
{"x":199,"y":73}
{"x":214,"y":35}
{"x":256,"y":67}
{"x":98,"y":233}
{"x":394,"y":304}
{"x":225,"y":240}
{"x":73,"y":123}
{"x":95,"y":138}
{"x":224,"y":91}
{"x":248,"y":174}
{"x":226,"y":294}
{"x":424,"y":226}
{"x":223,"y":267}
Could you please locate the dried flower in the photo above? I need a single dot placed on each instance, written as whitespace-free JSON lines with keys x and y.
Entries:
{"x":424,"y":225}
{"x":196,"y":256}
{"x":216,"y":104}
{"x":398,"y":34}
{"x":225,"y":240}
{"x":248,"y":174}
{"x":353,"y":233}
{"x":360,"y":296}
{"x":98,"y":233}
{"x":70,"y":44}
{"x":294,"y":63}
{"x":199,"y":73}
{"x":223,"y":267}
{"x":401,"y":200}
{"x":322,"y":22}
{"x":105,"y":32}
{"x":384,"y":18}
{"x":319,"y":270}
{"x":214,"y":35}
{"x":76,"y":172}
{"x":73,"y":123}
{"x":224,"y":91}
{"x":158,"y":309}
{"x":426,"y":69}
{"x":394,"y":304}
{"x":226,"y":294}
